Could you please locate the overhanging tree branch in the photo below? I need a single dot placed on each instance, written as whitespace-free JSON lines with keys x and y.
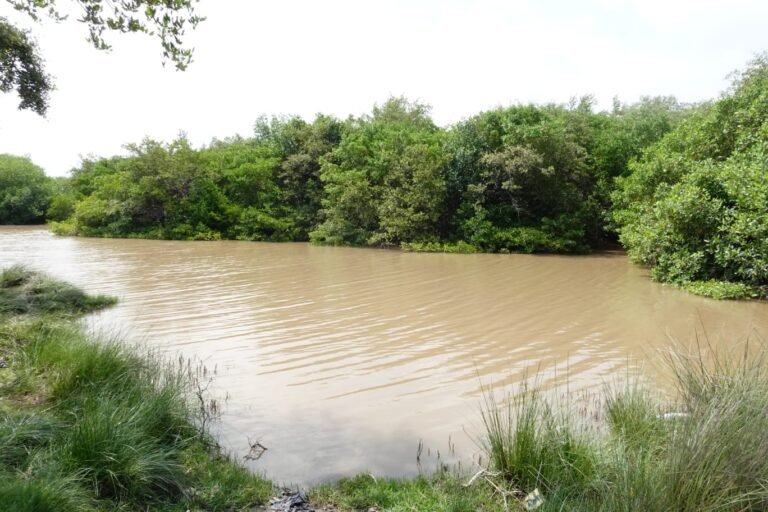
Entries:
{"x":22,"y":67}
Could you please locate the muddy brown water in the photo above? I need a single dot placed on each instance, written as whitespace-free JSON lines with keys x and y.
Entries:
{"x":341,"y":360}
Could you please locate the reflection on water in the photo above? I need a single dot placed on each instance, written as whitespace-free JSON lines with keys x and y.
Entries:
{"x":341,"y":359}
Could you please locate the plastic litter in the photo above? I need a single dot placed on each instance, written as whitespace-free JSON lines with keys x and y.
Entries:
{"x":534,"y":500}
{"x":673,"y":415}
{"x":291,"y":502}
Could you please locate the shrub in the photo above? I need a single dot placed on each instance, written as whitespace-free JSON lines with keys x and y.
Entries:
{"x":694,"y":207}
{"x":25,"y":191}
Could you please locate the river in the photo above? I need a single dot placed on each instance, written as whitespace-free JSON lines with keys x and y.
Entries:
{"x":341,"y":360}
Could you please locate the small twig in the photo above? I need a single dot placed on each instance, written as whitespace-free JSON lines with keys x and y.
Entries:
{"x":256,"y":450}
{"x":482,"y":472}
{"x":500,"y":491}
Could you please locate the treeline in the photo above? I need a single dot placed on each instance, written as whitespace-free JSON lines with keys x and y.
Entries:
{"x":682,"y":187}
{"x":524,"y":178}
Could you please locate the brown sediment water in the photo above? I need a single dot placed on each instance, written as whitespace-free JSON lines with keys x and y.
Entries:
{"x":340,"y":360}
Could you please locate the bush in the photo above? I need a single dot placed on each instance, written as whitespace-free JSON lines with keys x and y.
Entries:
{"x":694,"y":207}
{"x":25,"y":191}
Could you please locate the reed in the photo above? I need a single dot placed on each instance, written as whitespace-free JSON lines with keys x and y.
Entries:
{"x":711,"y":453}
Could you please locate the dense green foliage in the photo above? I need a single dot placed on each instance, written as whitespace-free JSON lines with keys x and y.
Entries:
{"x":538,"y":179}
{"x":25,"y":191}
{"x":264,"y":188}
{"x":524,"y":178}
{"x":383,"y":182}
{"x":90,"y":424}
{"x":695,"y":206}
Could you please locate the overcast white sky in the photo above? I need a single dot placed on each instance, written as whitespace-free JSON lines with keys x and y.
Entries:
{"x":340,"y":57}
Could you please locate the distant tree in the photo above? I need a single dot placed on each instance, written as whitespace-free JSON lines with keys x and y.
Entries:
{"x":301,"y":146}
{"x":25,"y":191}
{"x":21,"y":67}
{"x":383,"y":182}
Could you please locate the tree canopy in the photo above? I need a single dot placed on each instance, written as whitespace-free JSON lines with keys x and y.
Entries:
{"x":695,"y":206}
{"x":25,"y":191}
{"x":22,"y":68}
{"x":524,"y":178}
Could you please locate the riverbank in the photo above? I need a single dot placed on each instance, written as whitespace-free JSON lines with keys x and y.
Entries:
{"x":93,"y":425}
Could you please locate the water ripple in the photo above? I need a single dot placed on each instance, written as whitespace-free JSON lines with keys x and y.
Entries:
{"x":337,"y":350}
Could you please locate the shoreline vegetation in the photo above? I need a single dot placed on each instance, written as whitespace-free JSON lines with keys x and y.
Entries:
{"x":680,"y":186}
{"x":93,"y":425}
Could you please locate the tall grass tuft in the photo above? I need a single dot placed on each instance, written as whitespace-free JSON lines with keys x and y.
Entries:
{"x":535,"y":445}
{"x":94,"y":424}
{"x":22,"y":432}
{"x":634,"y":416}
{"x":718,"y":457}
{"x":49,"y":493}
{"x":710,"y":454}
{"x":110,"y":447}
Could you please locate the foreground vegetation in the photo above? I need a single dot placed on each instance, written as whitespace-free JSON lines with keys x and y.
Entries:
{"x":636,"y":455}
{"x":705,"y":450}
{"x":92,"y":425}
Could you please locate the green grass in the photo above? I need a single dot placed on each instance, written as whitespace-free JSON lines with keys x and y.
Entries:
{"x":533,"y":444}
{"x":724,"y":290}
{"x":711,"y":455}
{"x":44,"y":493}
{"x":460,"y":247}
{"x":440,"y":492}
{"x":24,"y":291}
{"x":93,"y":424}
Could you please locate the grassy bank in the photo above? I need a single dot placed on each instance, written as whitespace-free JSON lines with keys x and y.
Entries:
{"x":94,"y":425}
{"x":625,"y":450}
{"x":705,"y":450}
{"x":724,"y":290}
{"x":91,"y":425}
